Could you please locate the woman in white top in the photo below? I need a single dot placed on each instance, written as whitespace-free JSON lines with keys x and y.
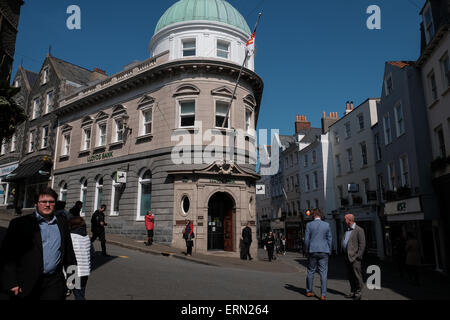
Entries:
{"x":83,"y":250}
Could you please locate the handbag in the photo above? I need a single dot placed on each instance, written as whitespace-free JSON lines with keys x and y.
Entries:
{"x":192,"y":235}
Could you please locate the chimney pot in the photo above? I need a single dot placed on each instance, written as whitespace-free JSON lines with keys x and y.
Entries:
{"x":324,"y":115}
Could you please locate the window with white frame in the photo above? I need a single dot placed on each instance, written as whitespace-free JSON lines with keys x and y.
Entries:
{"x":307,"y":184}
{"x":432,"y":84}
{"x":83,"y":195}
{"x":35,"y":108}
{"x":248,"y":120}
{"x":336,"y":137}
{"x":3,"y":148}
{"x":361,"y":121}
{"x":445,"y":65}
{"x":86,"y":138}
{"x":147,"y":118}
{"x":363,"y":153}
{"x":63,"y":191}
{"x":145,"y":194}
{"x":44,"y":142}
{"x":399,"y":121}
{"x":188,"y":47}
{"x":49,"y":102}
{"x":101,"y":136}
{"x":387,"y":129}
{"x":14,"y":143}
{"x":404,"y":170}
{"x":366,"y":189}
{"x":428,"y":24}
{"x":31,"y":141}
{"x":116,"y":195}
{"x":45,"y":76}
{"x":223,"y":49}
{"x":222,"y":114}
{"x":66,"y":144}
{"x":98,"y":193}
{"x":338,"y":164}
{"x":391,"y":175}
{"x":118,"y":130}
{"x":388,"y":87}
{"x":350,"y":159}
{"x":348,"y":132}
{"x":308,"y":204}
{"x":187,"y":114}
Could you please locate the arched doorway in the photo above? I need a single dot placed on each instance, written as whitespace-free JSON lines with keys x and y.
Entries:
{"x":221,"y":222}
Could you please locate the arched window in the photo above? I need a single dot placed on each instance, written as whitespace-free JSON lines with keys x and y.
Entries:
{"x":83,"y":195}
{"x":98,"y":193}
{"x":63,"y":191}
{"x":116,"y":194}
{"x":144,"y":194}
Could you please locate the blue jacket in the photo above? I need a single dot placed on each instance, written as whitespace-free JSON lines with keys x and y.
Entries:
{"x":318,"y":237}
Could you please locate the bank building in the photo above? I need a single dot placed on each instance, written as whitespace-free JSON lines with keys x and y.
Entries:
{"x":116,"y":137}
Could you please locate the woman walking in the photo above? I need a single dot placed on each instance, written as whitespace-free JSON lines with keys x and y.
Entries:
{"x":83,"y":250}
{"x":188,"y":235}
{"x":270,"y":243}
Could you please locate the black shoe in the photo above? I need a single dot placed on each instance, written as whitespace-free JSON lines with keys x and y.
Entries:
{"x":350,"y":296}
{"x":357,"y":297}
{"x":105,"y":255}
{"x":250,"y":259}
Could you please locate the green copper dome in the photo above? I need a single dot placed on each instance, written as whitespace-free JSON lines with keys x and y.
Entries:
{"x":211,"y":10}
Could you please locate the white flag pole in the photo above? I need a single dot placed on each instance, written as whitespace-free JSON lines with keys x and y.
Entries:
{"x":239,"y":76}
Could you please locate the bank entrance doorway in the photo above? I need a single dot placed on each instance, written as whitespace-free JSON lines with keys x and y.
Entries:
{"x":221,"y":222}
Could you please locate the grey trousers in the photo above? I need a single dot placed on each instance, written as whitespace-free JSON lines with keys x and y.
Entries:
{"x":354,"y":276}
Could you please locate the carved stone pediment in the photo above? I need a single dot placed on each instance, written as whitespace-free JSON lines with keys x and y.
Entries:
{"x":186,"y":89}
{"x":100,"y":116}
{"x":146,"y":100}
{"x":219,"y":169}
{"x":223,"y":92}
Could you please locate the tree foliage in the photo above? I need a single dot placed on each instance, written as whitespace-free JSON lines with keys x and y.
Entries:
{"x":11,"y":114}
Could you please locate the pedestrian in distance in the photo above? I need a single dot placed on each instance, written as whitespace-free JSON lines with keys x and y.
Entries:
{"x":98,"y":225}
{"x":412,"y":258}
{"x":149,"y":225}
{"x":283,"y":245}
{"x":188,"y":235}
{"x":35,"y":250}
{"x":83,"y":251}
{"x":318,"y":241}
{"x":270,"y":244}
{"x":75,"y":210}
{"x":354,"y":244}
{"x":60,"y":209}
{"x":247,"y":241}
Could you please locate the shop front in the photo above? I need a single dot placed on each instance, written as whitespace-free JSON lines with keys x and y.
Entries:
{"x":7,"y":190}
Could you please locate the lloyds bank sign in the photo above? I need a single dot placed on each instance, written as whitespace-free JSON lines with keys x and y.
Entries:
{"x":100,"y":156}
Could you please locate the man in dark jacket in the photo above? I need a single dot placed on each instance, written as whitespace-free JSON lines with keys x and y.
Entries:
{"x":75,"y":210}
{"x":98,"y":228}
{"x":34,"y":252}
{"x":246,"y":241}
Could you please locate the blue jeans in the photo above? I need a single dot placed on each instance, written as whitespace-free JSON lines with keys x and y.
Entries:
{"x":317,"y":259}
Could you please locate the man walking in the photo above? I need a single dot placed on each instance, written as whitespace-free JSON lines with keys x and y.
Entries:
{"x":354,"y":244}
{"x":98,"y":228}
{"x":318,"y":246}
{"x":35,"y":250}
{"x":247,"y":241}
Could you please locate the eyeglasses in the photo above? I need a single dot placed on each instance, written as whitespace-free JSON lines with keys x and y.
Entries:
{"x":47,"y":202}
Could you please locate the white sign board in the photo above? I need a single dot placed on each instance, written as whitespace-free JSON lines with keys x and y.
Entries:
{"x":260,"y":189}
{"x":121,"y":177}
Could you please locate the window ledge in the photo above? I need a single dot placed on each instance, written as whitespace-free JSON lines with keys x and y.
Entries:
{"x":145,"y":136}
{"x":190,"y":129}
{"x":63,"y":158}
{"x":222,"y":130}
{"x":43,"y":148}
{"x":115,"y":144}
{"x":114,"y":214}
{"x":84,"y":152}
{"x":99,"y":148}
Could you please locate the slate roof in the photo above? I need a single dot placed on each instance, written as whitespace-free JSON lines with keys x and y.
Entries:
{"x":71,"y":72}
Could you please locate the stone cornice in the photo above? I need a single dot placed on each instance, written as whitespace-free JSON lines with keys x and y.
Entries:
{"x":149,"y":71}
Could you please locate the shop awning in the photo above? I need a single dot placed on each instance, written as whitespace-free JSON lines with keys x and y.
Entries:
{"x":28,"y":170}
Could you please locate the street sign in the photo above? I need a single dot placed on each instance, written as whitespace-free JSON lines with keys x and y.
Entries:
{"x":260,"y":189}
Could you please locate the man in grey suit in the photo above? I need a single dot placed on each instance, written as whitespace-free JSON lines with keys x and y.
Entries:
{"x":318,"y":247}
{"x":354,"y":244}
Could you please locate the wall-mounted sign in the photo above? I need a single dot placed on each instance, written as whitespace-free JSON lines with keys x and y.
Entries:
{"x":411,"y":205}
{"x":8,"y":169}
{"x":260,"y":189}
{"x":100,"y":156}
{"x":121,"y":177}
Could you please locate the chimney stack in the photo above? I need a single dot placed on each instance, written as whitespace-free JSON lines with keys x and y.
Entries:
{"x":301,"y":124}
{"x":327,"y":122}
{"x":347,"y":108}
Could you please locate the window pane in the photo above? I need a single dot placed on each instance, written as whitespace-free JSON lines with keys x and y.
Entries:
{"x":146,"y":198}
{"x":187,"y":107}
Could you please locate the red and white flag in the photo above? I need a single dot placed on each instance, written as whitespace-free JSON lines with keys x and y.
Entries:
{"x":251,"y":44}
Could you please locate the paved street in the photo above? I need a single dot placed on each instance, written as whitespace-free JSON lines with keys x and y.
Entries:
{"x":134,"y":275}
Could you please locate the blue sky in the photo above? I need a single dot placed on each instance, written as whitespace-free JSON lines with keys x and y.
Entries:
{"x":313,"y":56}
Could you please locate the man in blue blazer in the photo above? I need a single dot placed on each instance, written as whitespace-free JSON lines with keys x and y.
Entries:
{"x":318,"y":246}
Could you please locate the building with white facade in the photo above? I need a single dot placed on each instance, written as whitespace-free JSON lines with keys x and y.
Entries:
{"x":355,"y":181}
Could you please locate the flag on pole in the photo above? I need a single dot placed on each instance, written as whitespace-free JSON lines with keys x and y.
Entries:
{"x":251,"y":44}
